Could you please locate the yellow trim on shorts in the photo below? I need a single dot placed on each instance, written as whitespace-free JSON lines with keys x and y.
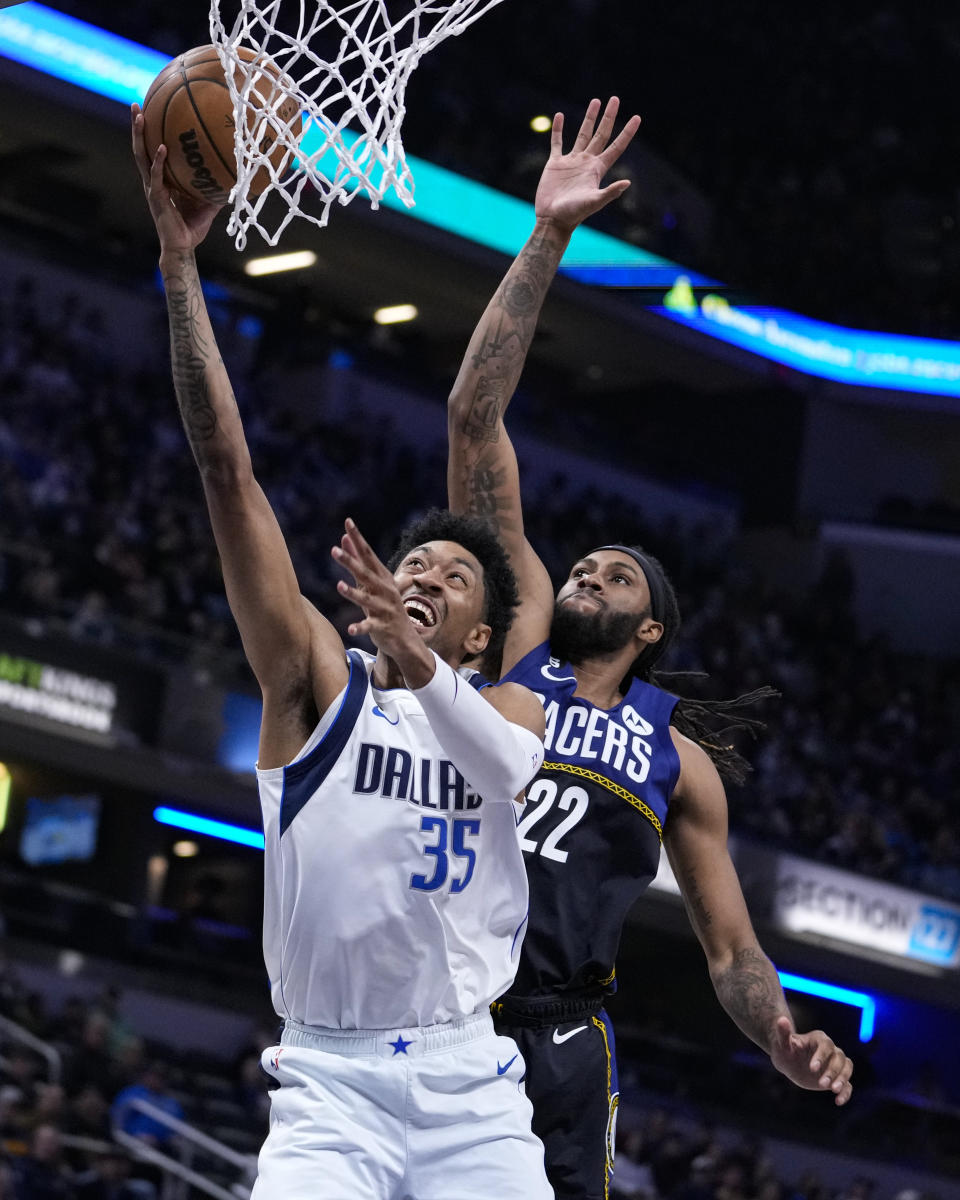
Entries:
{"x":594,"y":777}
{"x":608,"y":1157}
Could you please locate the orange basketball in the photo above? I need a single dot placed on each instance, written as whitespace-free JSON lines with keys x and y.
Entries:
{"x":188,"y":109}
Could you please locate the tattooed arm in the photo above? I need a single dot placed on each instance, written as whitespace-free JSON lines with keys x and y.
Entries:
{"x":482,"y":475}
{"x":296,"y":655}
{"x":745,"y":980}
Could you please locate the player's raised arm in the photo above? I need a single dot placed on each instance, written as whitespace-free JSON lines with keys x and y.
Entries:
{"x":298,"y":660}
{"x":744,"y":978}
{"x":482,"y":476}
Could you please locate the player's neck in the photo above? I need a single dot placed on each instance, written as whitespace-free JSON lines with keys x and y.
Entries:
{"x":599,"y":679}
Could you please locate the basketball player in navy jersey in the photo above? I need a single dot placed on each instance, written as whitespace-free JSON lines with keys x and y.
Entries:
{"x":624,"y":769}
{"x":395,"y":889}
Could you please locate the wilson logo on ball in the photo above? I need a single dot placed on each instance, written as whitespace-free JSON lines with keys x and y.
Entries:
{"x":202,"y":179}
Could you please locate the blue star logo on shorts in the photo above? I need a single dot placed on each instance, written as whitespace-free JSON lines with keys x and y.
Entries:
{"x":400,"y":1046}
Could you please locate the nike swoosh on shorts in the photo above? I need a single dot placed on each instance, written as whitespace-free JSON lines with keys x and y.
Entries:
{"x":506,"y":1066}
{"x":559,"y":1037}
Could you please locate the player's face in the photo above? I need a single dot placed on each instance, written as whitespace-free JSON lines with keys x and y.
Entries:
{"x":443,"y":593}
{"x":603,"y":607}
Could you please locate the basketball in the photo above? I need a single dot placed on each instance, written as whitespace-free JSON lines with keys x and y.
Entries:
{"x":188,"y":109}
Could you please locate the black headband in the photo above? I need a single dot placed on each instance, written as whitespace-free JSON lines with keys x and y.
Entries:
{"x":652,"y":575}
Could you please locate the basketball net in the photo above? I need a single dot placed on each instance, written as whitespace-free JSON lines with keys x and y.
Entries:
{"x":347,"y":64}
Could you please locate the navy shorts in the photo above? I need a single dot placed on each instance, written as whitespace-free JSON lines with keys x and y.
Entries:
{"x":572,"y":1084}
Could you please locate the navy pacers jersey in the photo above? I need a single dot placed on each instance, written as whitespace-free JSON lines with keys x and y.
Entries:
{"x":592,"y":826}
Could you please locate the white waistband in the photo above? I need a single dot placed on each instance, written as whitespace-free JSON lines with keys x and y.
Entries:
{"x":388,"y":1043}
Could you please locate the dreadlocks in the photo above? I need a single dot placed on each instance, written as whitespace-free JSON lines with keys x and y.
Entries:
{"x":706,"y":722}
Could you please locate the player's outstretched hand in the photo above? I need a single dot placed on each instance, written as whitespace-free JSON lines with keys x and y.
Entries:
{"x":385,"y":620}
{"x":182,"y":223}
{"x":569,"y":190}
{"x":812,"y":1061}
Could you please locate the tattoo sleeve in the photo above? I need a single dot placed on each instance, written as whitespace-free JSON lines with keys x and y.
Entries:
{"x":750,"y":992}
{"x":480,"y":479}
{"x":504,"y":336}
{"x":207,"y":405}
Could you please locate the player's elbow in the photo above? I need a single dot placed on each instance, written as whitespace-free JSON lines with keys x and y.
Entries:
{"x":459,"y":402}
{"x":226,"y":474}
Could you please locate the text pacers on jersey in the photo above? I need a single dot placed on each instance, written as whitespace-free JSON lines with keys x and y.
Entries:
{"x":590,"y":733}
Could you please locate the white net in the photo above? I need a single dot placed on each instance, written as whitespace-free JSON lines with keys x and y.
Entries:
{"x":346,"y":65}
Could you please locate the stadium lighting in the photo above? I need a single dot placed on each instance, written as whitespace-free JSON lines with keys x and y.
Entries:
{"x":209,"y":827}
{"x":393,"y":314}
{"x":541,"y":124}
{"x":108,"y":65}
{"x":185,"y":849}
{"x":842,"y":995}
{"x":272,"y":264}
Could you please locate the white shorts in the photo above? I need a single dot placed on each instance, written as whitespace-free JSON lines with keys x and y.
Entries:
{"x":437,"y":1113}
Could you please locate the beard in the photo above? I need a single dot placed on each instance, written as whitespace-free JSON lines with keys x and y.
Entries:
{"x":575,"y":636}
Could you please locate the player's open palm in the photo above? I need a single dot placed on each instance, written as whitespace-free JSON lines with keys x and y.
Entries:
{"x":812,"y":1060}
{"x":569,"y":190}
{"x":182,"y":222}
{"x":385,"y":620}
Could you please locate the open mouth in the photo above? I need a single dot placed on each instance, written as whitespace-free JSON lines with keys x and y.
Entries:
{"x":421,"y":612}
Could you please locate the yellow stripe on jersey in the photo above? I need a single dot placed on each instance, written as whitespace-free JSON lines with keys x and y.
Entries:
{"x":612,"y":1105}
{"x":594,"y":777}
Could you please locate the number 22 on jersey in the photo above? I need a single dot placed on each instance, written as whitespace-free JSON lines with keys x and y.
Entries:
{"x":541,"y":798}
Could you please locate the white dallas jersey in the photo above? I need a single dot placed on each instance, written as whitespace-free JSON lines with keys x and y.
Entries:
{"x":394,"y":895}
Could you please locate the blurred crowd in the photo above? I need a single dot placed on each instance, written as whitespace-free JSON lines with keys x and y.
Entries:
{"x":104,"y":529}
{"x":808,"y":160}
{"x":63,"y":1123}
{"x":671,"y":1157}
{"x":67,"y":1132}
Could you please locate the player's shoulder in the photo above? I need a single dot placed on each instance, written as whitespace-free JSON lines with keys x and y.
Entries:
{"x":518,"y":704}
{"x":698,"y":774}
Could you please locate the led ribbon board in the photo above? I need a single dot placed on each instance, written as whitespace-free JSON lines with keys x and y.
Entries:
{"x":855,"y":356}
{"x":112,"y":66}
{"x":82,"y":54}
{"x":209,"y":827}
{"x":842,"y":995}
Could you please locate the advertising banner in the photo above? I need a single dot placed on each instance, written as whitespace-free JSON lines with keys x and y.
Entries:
{"x":801,"y":898}
{"x":56,"y":683}
{"x":812,"y":898}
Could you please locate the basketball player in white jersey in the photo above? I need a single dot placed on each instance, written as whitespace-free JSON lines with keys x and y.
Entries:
{"x":628,"y":765}
{"x":395,"y":891}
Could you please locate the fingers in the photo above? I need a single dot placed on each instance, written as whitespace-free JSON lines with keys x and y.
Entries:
{"x":157,"y":184}
{"x":151,"y":173}
{"x":844,"y":1093}
{"x":139,"y":149}
{"x":605,"y":128}
{"x":357,"y":555}
{"x":556,"y":136}
{"x":613,"y":190}
{"x":620,"y":143}
{"x":362,"y":546}
{"x":586,"y":128}
{"x":832,"y":1067}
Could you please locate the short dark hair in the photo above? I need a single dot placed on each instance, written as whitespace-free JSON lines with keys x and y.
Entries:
{"x":501,"y":596}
